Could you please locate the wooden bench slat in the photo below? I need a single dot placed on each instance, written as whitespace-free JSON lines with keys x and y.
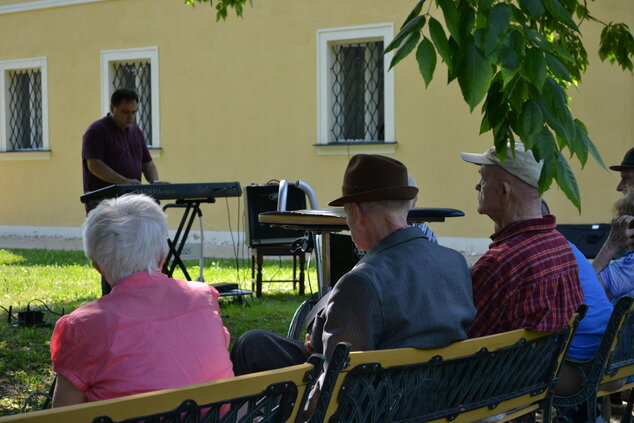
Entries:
{"x":149,"y":403}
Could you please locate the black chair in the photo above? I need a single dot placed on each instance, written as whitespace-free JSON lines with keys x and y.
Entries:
{"x":613,"y":361}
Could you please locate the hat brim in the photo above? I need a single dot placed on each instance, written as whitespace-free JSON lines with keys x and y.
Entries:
{"x":621,"y":167}
{"x":389,"y":193}
{"x":475,"y":158}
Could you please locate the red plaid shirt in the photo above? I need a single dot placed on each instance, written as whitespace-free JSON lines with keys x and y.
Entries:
{"x":528,"y":279}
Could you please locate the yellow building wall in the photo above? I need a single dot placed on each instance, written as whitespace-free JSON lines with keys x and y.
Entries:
{"x":238,"y":102}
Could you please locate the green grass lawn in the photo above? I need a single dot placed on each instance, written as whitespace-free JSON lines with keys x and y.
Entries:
{"x":57,"y":282}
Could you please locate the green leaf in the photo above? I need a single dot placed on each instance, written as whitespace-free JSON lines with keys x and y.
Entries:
{"x":414,"y":13}
{"x":534,"y":8}
{"x":456,"y":55}
{"x":583,"y":132}
{"x":542,"y":143}
{"x":495,"y":106}
{"x":414,"y":25}
{"x":563,"y":54}
{"x":534,"y":68}
{"x":426,"y":58}
{"x":531,"y":119}
{"x":507,"y":75}
{"x":440,"y":41}
{"x":466,"y":23}
{"x":547,"y":175}
{"x":560,"y":13}
{"x":617,"y":45}
{"x":451,"y":18}
{"x":407,"y":47}
{"x":566,"y":180}
{"x":484,"y":4}
{"x":580,"y":146}
{"x":474,"y":76}
{"x":538,"y":38}
{"x":557,"y":68}
{"x":484,"y":124}
{"x":517,"y":93}
{"x":555,"y":109}
{"x":498,"y":24}
{"x":507,"y":57}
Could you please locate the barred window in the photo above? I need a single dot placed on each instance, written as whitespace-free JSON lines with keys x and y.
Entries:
{"x":24,"y":110}
{"x":357,"y":92}
{"x":136,"y":76}
{"x":23,"y":125}
{"x":135,"y":69}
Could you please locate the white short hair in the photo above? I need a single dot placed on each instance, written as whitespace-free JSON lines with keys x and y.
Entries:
{"x":385,"y":206}
{"x":126,"y":235}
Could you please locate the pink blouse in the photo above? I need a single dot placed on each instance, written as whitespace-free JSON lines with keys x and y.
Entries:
{"x":151,"y":332}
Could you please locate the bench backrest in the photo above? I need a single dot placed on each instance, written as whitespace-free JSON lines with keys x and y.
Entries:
{"x":275,"y":396}
{"x":614,"y":358}
{"x":621,"y":356}
{"x":464,"y":382}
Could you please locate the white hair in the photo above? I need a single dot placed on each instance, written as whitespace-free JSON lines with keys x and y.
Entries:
{"x":126,"y":235}
{"x":385,"y":206}
{"x":412,"y":183}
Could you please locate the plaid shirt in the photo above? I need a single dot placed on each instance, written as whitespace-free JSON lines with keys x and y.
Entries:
{"x":528,"y":279}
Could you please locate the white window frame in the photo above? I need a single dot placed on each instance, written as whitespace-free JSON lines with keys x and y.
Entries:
{"x":344,"y":35}
{"x":132,"y":54}
{"x":40,"y":4}
{"x":22,"y":64}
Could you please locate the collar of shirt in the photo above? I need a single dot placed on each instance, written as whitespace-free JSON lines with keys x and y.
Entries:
{"x":139,"y":278}
{"x":110,"y":121}
{"x":545,"y":224}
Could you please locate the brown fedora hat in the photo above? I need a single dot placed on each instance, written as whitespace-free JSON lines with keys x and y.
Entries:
{"x":627,"y":163}
{"x":370,"y":177}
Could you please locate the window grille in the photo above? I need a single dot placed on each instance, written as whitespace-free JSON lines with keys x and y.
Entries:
{"x":137,"y":76}
{"x":357,"y":92}
{"x":24,"y":110}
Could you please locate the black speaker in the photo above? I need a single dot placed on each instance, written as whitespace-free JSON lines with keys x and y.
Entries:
{"x":343,"y":256}
{"x":263,"y":198}
{"x":588,"y":238}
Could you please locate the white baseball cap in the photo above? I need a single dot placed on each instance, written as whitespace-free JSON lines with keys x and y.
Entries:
{"x":523,"y":165}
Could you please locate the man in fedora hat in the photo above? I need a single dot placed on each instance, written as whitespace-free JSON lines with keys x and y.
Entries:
{"x":621,"y":237}
{"x":528,"y":278}
{"x":406,"y":291}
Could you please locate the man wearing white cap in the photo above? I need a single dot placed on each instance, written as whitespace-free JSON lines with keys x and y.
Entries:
{"x":528,"y":278}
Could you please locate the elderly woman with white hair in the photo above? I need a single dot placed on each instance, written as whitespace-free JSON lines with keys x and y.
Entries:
{"x":151,"y":332}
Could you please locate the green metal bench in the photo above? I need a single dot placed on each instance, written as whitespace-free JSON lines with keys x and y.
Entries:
{"x":613,"y":361}
{"x":506,"y":375}
{"x":274,"y":396}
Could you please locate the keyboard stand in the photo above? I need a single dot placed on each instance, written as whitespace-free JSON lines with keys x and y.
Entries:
{"x":192,"y":210}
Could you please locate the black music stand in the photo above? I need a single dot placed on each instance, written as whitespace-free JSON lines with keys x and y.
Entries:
{"x":191,"y":211}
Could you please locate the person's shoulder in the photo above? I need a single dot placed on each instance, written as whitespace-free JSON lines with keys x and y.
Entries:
{"x":362,"y":275}
{"x":85,"y":314}
{"x":99,"y":125}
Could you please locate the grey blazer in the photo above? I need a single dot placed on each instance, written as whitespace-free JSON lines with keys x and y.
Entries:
{"x":405,"y":292}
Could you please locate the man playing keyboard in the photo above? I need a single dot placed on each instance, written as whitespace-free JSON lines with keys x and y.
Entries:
{"x":114,"y":150}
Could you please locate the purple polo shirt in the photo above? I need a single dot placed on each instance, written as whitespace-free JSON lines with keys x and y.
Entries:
{"x":124,"y":150}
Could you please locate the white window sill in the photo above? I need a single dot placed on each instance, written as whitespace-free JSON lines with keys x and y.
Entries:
{"x":155,"y":152}
{"x":26,"y":155}
{"x":338,"y":149}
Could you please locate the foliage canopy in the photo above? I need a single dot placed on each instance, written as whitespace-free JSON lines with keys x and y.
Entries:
{"x":516,"y":57}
